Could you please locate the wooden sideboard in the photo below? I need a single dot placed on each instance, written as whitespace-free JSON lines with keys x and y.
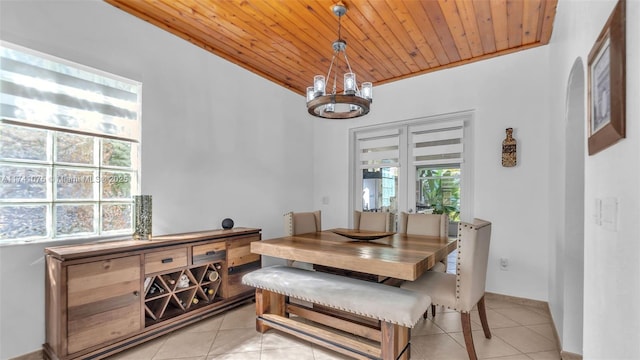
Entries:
{"x":104,"y":297}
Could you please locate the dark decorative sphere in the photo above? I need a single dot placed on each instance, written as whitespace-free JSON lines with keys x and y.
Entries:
{"x":227,"y":223}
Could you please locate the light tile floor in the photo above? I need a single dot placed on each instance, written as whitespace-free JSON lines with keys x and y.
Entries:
{"x":520,"y":332}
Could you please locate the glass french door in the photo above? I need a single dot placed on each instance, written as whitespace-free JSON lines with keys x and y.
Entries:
{"x":412,"y":167}
{"x":377,"y":170}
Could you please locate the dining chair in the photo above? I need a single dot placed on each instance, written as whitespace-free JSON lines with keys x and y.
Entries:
{"x":424,"y":224}
{"x":372,"y":221}
{"x":463,"y":290}
{"x":430,"y":225}
{"x":301,"y":223}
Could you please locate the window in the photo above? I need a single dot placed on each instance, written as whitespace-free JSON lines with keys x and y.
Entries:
{"x":69,"y":148}
{"x":439,"y":191}
{"x":437,"y":152}
{"x":414,"y":166}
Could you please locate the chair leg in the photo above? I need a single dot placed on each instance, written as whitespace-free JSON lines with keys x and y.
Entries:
{"x":468,"y":337}
{"x":433,"y":310}
{"x":483,"y":318}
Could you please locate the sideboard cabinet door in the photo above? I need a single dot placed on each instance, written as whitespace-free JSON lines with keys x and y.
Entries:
{"x":103,"y":301}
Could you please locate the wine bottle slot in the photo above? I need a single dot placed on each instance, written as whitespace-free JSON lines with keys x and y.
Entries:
{"x":183,"y":282}
{"x":155,"y":289}
{"x":212,"y":275}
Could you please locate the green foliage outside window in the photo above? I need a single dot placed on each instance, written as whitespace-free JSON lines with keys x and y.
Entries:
{"x":440,"y":191}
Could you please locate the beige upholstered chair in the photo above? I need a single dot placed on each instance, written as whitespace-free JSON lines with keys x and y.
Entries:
{"x":372,"y":221}
{"x":301,"y":223}
{"x":429,"y":225}
{"x":466,"y":288}
{"x":424,"y":224}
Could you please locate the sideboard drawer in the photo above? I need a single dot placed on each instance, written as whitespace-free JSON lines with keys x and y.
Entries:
{"x":165,"y":260}
{"x":209,"y":252}
{"x":240,"y":251}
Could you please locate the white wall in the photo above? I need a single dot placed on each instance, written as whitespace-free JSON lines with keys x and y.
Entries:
{"x":207,"y":152}
{"x":508,"y":91}
{"x":253,"y":163}
{"x":611,"y":269}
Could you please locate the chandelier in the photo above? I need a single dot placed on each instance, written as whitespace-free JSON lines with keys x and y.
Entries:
{"x":353,"y":101}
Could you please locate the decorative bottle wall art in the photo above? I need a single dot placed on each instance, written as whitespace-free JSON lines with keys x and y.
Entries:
{"x":142,"y":217}
{"x":509,"y":150}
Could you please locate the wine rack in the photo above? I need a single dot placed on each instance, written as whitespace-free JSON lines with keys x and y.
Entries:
{"x":173,"y":293}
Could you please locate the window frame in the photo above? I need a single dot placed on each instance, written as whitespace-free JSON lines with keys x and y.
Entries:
{"x":100,"y":171}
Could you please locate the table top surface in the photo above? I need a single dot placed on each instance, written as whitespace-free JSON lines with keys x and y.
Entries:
{"x":398,"y":256}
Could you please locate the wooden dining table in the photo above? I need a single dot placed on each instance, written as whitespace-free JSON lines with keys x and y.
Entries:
{"x":392,"y":255}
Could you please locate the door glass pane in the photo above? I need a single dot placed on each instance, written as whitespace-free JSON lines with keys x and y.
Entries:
{"x":380,"y":189}
{"x":74,"y":149}
{"x":74,"y":219}
{"x":21,"y":143}
{"x":74,"y":184}
{"x":23,"y":182}
{"x":116,"y":217}
{"x":438,"y":191}
{"x":23,"y":221}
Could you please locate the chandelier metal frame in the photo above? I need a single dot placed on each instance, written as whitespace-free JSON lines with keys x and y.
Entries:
{"x":352,"y":102}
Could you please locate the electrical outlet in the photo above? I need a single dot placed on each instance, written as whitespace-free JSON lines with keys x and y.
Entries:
{"x":504,"y":264}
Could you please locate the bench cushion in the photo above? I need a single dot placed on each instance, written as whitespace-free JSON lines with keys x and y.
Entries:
{"x":369,"y":299}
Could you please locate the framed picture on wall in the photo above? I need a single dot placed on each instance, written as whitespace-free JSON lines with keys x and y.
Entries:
{"x":607,"y":85}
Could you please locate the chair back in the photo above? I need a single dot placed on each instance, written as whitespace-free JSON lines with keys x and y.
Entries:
{"x":473,"y":255}
{"x":424,"y":224}
{"x":302,"y":222}
{"x":372,"y":221}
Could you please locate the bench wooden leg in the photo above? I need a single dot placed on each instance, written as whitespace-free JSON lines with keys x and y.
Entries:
{"x":268,"y":302}
{"x":395,"y":341}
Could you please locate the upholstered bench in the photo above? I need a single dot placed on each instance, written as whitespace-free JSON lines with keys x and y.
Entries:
{"x":380,"y":315}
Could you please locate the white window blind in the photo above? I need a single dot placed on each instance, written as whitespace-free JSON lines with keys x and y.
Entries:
{"x":379,"y":148}
{"x":437,"y":143}
{"x":39,"y":90}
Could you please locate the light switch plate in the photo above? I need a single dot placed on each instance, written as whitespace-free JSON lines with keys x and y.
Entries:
{"x":609,"y":214}
{"x":597,"y":212}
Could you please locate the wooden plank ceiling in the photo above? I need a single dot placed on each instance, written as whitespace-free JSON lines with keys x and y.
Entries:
{"x":289,"y":41}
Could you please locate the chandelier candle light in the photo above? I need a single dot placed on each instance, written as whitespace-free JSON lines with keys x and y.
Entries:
{"x":353,"y":102}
